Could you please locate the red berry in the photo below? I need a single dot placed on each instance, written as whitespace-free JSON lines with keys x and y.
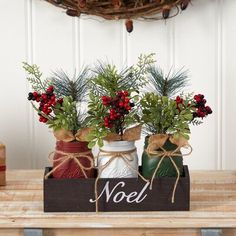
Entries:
{"x":60,"y":100}
{"x":49,"y":111}
{"x":208,"y":110}
{"x":104,"y":98}
{"x":53,"y":97}
{"x":46,"y":106}
{"x":179,"y":100}
{"x":126,"y":93}
{"x":38,"y":99}
{"x":201,"y":96}
{"x":201,"y":113}
{"x":35,"y":94}
{"x":112,"y":117}
{"x":119,"y":93}
{"x":121,"y":104}
{"x":44,"y":96}
{"x":126,"y":104}
{"x":112,"y":111}
{"x":107,"y":125}
{"x":127,"y":99}
{"x":197,"y":98}
{"x":50,"y":88}
{"x":128,"y":108}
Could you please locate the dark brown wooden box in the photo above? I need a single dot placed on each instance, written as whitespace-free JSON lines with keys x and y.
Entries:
{"x":73,"y":195}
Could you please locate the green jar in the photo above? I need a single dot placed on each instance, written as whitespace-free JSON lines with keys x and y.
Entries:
{"x":150,"y":162}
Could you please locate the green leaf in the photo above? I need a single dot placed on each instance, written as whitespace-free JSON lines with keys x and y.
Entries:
{"x":100,"y":142}
{"x":91,"y":144}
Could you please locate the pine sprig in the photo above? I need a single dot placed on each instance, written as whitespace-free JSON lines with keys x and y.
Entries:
{"x":35,"y":77}
{"x":167,"y":85}
{"x":76,"y":87}
{"x":108,"y":80}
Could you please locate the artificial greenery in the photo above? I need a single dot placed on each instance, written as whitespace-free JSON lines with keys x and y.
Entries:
{"x":35,"y":77}
{"x":76,"y":87}
{"x":108,"y":82}
{"x":107,"y":79}
{"x":96,"y":114}
{"x":58,"y":98}
{"x":66,"y":116}
{"x":167,"y":85}
{"x":163,"y":115}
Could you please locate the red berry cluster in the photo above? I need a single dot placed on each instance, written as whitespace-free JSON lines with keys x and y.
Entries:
{"x":46,"y":102}
{"x":120,"y":105}
{"x":178,"y":101}
{"x":202,"y":109}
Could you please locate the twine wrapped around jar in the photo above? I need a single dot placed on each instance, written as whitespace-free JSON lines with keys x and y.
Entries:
{"x":155,"y":149}
{"x":125,"y":156}
{"x":71,"y":156}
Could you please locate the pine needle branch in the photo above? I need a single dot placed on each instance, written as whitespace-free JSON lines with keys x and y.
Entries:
{"x":169,"y":85}
{"x":107,"y":79}
{"x":76,"y":87}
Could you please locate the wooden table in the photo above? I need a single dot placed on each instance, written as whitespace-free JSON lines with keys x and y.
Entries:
{"x":213,"y":211}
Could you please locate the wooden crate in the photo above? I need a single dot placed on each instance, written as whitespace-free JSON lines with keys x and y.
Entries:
{"x":126,"y":194}
{"x":212,"y":205}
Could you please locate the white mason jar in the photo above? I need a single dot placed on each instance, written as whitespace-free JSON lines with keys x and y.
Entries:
{"x":118,"y":167}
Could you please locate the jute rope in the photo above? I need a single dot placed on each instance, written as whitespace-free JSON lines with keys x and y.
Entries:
{"x":168,"y":154}
{"x":125,"y":156}
{"x":71,"y":156}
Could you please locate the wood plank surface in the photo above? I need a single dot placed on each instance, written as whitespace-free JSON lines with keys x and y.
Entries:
{"x":116,"y":232}
{"x":213,"y":204}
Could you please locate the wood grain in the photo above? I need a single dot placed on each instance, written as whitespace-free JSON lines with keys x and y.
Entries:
{"x":213,"y":204}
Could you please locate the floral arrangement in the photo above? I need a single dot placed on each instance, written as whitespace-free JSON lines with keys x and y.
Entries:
{"x":58,"y":99}
{"x":114,"y":101}
{"x":166,"y":113}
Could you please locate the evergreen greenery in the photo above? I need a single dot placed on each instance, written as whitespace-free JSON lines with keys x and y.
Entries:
{"x":167,"y":85}
{"x":76,"y":87}
{"x":161,"y":115}
{"x":35,"y":78}
{"x":67,"y":115}
{"x":107,"y":80}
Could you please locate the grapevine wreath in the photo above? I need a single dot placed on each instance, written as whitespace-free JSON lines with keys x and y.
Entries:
{"x":123,"y":9}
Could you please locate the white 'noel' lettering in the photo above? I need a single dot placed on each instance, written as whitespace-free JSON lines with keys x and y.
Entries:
{"x":121,"y":195}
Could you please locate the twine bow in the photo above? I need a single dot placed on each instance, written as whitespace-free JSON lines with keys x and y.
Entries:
{"x":168,"y":154}
{"x":71,"y":156}
{"x":125,"y":156}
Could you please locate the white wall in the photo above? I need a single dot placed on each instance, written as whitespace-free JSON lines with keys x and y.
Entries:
{"x":201,"y":39}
